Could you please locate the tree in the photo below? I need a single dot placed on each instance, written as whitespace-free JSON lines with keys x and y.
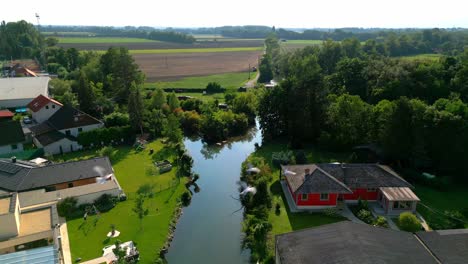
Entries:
{"x":117,"y":119}
{"x":135,"y":108}
{"x":86,"y":96}
{"x":139,"y":208}
{"x":173,"y":101}
{"x":409,"y":222}
{"x":68,"y":98}
{"x":265,"y":69}
{"x":158,"y":99}
{"x":214,"y":87}
{"x":245,"y":103}
{"x":172,"y":129}
{"x":156,"y":122}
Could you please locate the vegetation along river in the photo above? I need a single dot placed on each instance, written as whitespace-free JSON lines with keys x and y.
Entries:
{"x":210,"y":229}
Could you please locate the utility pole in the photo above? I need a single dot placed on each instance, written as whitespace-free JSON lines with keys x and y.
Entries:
{"x":42,"y":59}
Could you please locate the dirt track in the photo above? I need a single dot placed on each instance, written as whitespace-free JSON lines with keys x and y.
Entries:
{"x":165,"y":67}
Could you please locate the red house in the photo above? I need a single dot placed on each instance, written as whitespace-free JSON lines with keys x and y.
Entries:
{"x":320,"y":186}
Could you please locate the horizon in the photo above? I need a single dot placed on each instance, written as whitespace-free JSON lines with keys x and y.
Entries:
{"x":297,"y":14}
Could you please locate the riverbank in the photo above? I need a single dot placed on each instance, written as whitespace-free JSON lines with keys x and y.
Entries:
{"x":282,"y":220}
{"x":132,"y":169}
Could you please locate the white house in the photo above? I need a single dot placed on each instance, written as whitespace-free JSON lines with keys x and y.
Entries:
{"x":11,"y":137}
{"x":18,"y":92}
{"x":43,"y":107}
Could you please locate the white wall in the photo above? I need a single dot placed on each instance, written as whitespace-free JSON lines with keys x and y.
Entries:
{"x":65,"y":143}
{"x":7,"y":148}
{"x":45,"y":112}
{"x":74,"y":131}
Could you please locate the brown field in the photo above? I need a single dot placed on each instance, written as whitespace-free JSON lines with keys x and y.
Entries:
{"x":173,"y":66}
{"x":166,"y":45}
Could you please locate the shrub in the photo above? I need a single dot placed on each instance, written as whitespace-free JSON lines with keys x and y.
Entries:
{"x":282,"y":158}
{"x":331,"y":212}
{"x":409,"y":222}
{"x":365,"y":216}
{"x":381,"y":221}
{"x":117,"y":119}
{"x":186,"y":198}
{"x":106,"y":152}
{"x":363,"y":204}
{"x":300,"y":157}
{"x":66,"y":207}
{"x":106,"y":136}
{"x":214,"y":87}
{"x":105,"y":202}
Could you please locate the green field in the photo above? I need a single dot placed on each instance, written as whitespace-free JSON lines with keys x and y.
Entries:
{"x":81,"y":40}
{"x":193,"y":50}
{"x":87,"y":238}
{"x":71,"y":33}
{"x":422,"y":57}
{"x":226,"y":80}
{"x":303,"y":42}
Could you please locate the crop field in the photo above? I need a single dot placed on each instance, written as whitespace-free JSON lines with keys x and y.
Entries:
{"x":80,"y":40}
{"x":86,"y":44}
{"x":175,"y":66}
{"x":291,"y":45}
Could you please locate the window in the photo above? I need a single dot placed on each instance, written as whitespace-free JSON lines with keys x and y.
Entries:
{"x":324,"y":196}
{"x":70,"y":185}
{"x":46,"y":107}
{"x":14,"y":146}
{"x":67,"y":132}
{"x":304,"y":197}
{"x":53,"y":106}
{"x":401,"y":205}
{"x":371,"y":189}
{"x":80,"y":129}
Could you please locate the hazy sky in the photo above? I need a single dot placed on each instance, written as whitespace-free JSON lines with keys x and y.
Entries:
{"x":205,"y":13}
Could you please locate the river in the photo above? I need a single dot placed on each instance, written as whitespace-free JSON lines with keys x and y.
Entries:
{"x":210,"y":229}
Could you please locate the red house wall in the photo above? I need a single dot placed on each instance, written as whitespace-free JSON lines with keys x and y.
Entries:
{"x":314,"y":199}
{"x":361,"y":192}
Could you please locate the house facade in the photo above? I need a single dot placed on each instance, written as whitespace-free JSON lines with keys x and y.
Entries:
{"x":43,"y":107}
{"x":320,"y":186}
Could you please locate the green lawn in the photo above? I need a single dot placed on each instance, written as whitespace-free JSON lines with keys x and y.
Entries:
{"x":303,"y":42}
{"x":422,"y":57}
{"x":87,"y":238}
{"x":82,"y":40}
{"x":226,"y":80}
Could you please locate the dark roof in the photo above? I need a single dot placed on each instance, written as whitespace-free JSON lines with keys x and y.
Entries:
{"x":348,"y":242}
{"x":11,"y":133}
{"x":360,"y":175}
{"x":449,"y":246}
{"x":21,"y":176}
{"x":51,"y":137}
{"x":316,"y":181}
{"x":69,"y":117}
{"x":40,"y":101}
{"x":41,"y":129}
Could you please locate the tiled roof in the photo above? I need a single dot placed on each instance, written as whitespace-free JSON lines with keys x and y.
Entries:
{"x":6,"y":113}
{"x":69,"y":117}
{"x":449,"y":246}
{"x":24,"y":177}
{"x":40,"y":101}
{"x":11,"y":132}
{"x":51,"y":137}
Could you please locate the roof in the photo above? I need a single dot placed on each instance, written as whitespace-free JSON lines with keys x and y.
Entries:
{"x":364,"y":175}
{"x":52,"y":136}
{"x":12,"y":133}
{"x":316,"y":181}
{"x":25,"y":176}
{"x":35,"y":222}
{"x":5,"y":205}
{"x":6,"y":114}
{"x":399,"y":194}
{"x":69,"y":117}
{"x":23,"y":87}
{"x":32,"y":256}
{"x":39,"y":102}
{"x":449,"y":246}
{"x":348,"y":242}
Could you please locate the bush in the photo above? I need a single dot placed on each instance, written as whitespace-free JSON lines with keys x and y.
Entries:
{"x":331,"y":212}
{"x":214,"y":87}
{"x":117,"y":119}
{"x":106,"y":136}
{"x":105,"y":202}
{"x":365,"y":216}
{"x":409,"y":222}
{"x":106,"y":152}
{"x":381,"y":221}
{"x":300,"y":157}
{"x":362,"y":204}
{"x":282,"y":158}
{"x":66,"y":206}
{"x":186,"y":198}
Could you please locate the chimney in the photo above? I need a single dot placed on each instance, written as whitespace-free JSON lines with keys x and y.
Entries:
{"x":307,"y":171}
{"x":13,"y":159}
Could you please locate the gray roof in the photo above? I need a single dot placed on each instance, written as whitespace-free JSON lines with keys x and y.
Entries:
{"x":22,"y":177}
{"x":23,"y":87}
{"x":348,"y":242}
{"x":51,"y":137}
{"x":69,"y":117}
{"x":449,"y":246}
{"x":11,"y":132}
{"x":358,"y":175}
{"x":316,"y":181}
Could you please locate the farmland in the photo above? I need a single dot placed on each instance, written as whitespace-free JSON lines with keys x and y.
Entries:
{"x":81,"y":40}
{"x":173,"y":66}
{"x":226,"y":80}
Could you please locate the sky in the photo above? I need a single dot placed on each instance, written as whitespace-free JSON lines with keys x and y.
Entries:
{"x":210,"y":13}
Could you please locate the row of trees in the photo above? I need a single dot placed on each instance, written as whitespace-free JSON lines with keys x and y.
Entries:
{"x":19,"y":40}
{"x":339,"y":97}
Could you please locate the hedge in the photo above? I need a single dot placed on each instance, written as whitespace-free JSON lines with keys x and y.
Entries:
{"x":106,"y":136}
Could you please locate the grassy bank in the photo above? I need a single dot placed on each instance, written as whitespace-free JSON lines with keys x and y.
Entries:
{"x":87,"y":238}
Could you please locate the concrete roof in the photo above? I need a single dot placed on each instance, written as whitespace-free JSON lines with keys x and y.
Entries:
{"x":23,"y":87}
{"x":348,"y":242}
{"x":449,"y":246}
{"x":35,"y":222}
{"x":399,"y":194}
{"x":5,"y":205}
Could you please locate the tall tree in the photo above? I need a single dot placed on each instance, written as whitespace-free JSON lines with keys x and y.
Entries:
{"x":173,"y":101}
{"x":172,"y":129}
{"x":135,"y":108}
{"x":86,"y":96}
{"x":158,"y":98}
{"x":140,"y":209}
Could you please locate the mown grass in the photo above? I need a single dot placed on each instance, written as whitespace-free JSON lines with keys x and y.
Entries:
{"x":82,"y":40}
{"x":87,"y":238}
{"x":193,"y":50}
{"x":226,"y":80}
{"x":422,"y":57}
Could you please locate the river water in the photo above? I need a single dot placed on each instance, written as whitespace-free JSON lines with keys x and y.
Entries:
{"x":210,"y":229}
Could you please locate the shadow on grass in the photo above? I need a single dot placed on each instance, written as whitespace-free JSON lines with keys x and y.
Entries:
{"x":164,"y":153}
